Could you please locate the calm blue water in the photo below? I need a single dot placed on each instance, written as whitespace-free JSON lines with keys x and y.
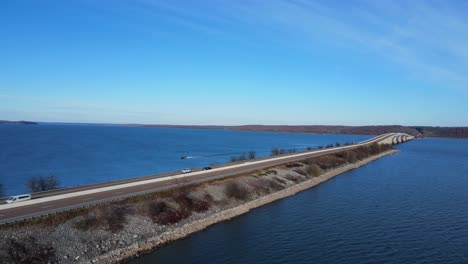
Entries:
{"x":79,"y":154}
{"x":411,"y":207}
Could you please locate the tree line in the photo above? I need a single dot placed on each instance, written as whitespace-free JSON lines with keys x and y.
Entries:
{"x":37,"y":184}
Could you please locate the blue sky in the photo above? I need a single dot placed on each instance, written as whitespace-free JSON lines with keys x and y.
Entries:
{"x":235,"y":62}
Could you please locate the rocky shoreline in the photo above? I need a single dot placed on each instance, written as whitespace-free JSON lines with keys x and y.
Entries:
{"x":150,"y":244}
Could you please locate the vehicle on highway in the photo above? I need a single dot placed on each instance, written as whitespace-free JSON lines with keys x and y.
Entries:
{"x":206,"y":168}
{"x":18,"y":198}
{"x":186,"y":170}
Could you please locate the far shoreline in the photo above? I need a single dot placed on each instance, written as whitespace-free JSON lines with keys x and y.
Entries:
{"x":416,"y":131}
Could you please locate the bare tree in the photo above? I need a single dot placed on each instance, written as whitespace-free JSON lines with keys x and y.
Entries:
{"x":242,"y":157}
{"x":41,"y":184}
{"x":293,"y":150}
{"x":275,"y":152}
{"x":33,"y":184}
{"x":52,"y":182}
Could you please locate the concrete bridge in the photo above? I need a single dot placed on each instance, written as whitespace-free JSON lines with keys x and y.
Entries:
{"x":396,"y":138}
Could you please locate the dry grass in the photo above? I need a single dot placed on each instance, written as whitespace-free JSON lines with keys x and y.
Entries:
{"x":163,"y":213}
{"x":236,"y":190}
{"x":313,"y":170}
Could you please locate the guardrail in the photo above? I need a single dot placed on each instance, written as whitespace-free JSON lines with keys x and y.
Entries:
{"x":120,"y":197}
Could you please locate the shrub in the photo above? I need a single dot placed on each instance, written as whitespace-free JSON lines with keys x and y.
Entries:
{"x":28,"y":250}
{"x":329,"y":146}
{"x":88,"y":222}
{"x":237,"y":191}
{"x":313,"y":169}
{"x":116,"y":217}
{"x":338,"y":144}
{"x":274,"y":185}
{"x":351,"y":157}
{"x":261,"y":186}
{"x":279,"y":180}
{"x":328,"y":161}
{"x":320,"y":147}
{"x":293,"y":178}
{"x":156,"y":208}
{"x":191,"y":204}
{"x":2,"y":191}
{"x":252,"y":154}
{"x":163,"y":214}
{"x":300,"y":171}
{"x":293,"y":165}
{"x":342,"y":154}
{"x":309,"y":148}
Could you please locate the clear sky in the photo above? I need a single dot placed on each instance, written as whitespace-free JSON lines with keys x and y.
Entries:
{"x":235,"y":62}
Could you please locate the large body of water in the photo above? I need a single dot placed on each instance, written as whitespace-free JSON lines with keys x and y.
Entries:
{"x":80,"y":154}
{"x":411,"y":207}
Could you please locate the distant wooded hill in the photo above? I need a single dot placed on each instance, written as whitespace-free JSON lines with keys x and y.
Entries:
{"x":420,"y":131}
{"x":17,"y":122}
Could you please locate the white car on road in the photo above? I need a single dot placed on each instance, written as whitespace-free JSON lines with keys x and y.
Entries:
{"x":186,"y":171}
{"x":18,"y":198}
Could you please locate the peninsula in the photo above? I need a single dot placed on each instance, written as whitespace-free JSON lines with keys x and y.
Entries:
{"x":113,"y":229}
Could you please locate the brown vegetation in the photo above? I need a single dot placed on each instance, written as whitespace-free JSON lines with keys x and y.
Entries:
{"x":313,"y":169}
{"x":113,"y":218}
{"x":293,"y":165}
{"x":164,"y":214}
{"x":236,"y":190}
{"x":331,"y":161}
{"x":300,"y":171}
{"x":28,"y":251}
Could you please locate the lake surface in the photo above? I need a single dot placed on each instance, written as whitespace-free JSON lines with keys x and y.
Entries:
{"x":85,"y":154}
{"x":411,"y":207}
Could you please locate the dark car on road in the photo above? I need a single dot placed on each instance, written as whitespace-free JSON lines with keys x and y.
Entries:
{"x":206,"y":168}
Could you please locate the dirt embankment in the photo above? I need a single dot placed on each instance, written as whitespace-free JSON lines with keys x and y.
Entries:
{"x":114,"y":232}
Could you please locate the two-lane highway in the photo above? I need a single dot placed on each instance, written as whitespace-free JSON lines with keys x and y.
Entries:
{"x":80,"y":197}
